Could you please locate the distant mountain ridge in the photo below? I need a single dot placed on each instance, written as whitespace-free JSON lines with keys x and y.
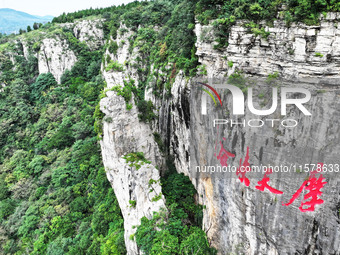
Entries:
{"x":46,"y":17}
{"x":11,"y":20}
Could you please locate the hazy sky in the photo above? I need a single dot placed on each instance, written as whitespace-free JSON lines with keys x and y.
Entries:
{"x":56,"y":7}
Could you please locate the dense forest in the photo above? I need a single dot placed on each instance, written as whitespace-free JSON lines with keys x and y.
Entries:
{"x":54,"y":195}
{"x":55,"y":198}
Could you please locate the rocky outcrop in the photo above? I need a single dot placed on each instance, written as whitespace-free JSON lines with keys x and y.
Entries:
{"x":138,"y":190}
{"x":298,"y":52}
{"x":55,"y":57}
{"x":91,"y":32}
{"x":135,"y":193}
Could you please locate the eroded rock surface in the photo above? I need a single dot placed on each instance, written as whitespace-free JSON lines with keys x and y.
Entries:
{"x":241,"y":219}
{"x":55,"y":57}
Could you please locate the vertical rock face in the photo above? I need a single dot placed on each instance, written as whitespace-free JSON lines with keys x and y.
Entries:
{"x":138,"y":190}
{"x":239,"y":219}
{"x":55,"y":57}
{"x":243,"y":219}
{"x":174,"y":120}
{"x":91,"y":32}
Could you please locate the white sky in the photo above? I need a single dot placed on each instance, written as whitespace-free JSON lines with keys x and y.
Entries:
{"x":56,"y":7}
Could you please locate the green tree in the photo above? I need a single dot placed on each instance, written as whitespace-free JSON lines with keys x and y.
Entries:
{"x":35,"y":26}
{"x":42,"y":83}
{"x":196,"y":243}
{"x":164,"y":244}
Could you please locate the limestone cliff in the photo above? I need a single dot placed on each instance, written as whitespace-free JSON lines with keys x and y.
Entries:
{"x":239,"y":219}
{"x":55,"y":57}
{"x":54,"y":52}
{"x":298,"y":52}
{"x":123,"y":133}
